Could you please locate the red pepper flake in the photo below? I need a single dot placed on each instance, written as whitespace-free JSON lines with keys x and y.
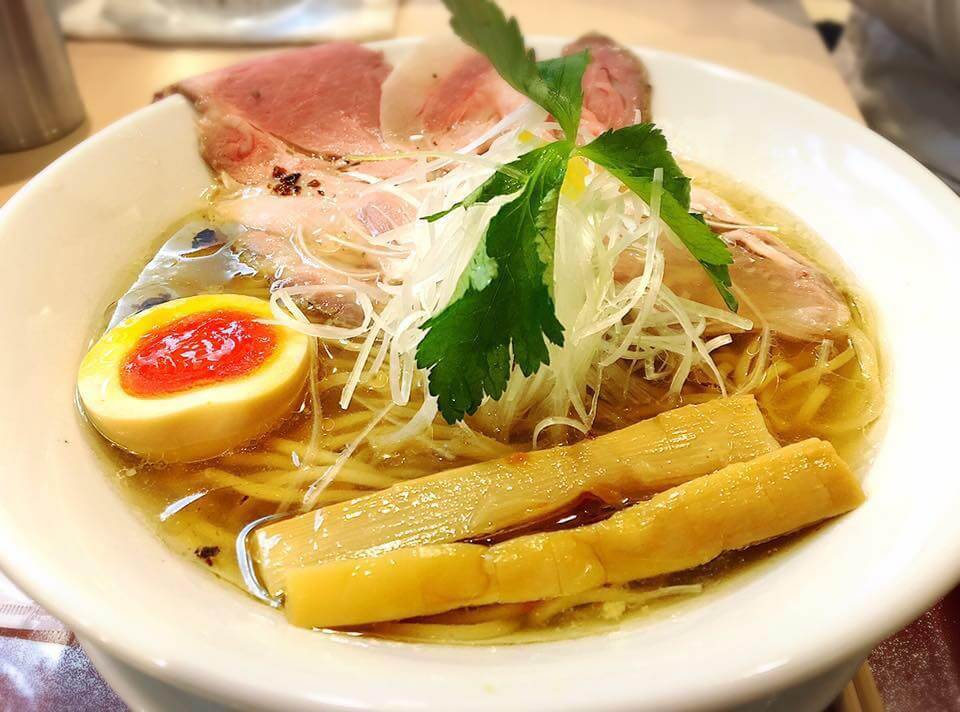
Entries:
{"x":314,"y":183}
{"x":287,"y":185}
{"x":279,"y":171}
{"x":207,"y":553}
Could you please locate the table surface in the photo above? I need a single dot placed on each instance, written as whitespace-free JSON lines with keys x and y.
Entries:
{"x":773,"y":39}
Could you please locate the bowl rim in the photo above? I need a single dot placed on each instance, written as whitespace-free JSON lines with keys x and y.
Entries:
{"x":862,"y":628}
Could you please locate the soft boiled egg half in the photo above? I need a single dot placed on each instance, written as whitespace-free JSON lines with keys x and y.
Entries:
{"x":194,"y":377}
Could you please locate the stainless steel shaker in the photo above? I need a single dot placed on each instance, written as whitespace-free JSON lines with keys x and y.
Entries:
{"x":39,"y":101}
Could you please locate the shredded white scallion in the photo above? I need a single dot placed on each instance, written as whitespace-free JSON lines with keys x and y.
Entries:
{"x":609,"y":293}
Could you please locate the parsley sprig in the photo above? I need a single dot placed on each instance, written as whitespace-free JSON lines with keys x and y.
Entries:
{"x":503,"y":312}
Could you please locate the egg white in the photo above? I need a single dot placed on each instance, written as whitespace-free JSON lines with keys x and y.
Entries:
{"x":201,"y":422}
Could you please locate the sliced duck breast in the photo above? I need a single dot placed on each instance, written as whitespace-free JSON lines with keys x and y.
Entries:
{"x":442,"y":95}
{"x":616,"y":84}
{"x":322,"y":100}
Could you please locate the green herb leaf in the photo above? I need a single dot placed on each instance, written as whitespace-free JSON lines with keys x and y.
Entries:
{"x":564,"y":79}
{"x":641,"y":149}
{"x":720,"y":276}
{"x":632,"y":154}
{"x":502,"y":312}
{"x":556,"y":84}
{"x":506,"y":310}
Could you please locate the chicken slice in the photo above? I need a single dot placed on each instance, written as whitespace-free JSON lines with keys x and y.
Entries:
{"x":795,"y":298}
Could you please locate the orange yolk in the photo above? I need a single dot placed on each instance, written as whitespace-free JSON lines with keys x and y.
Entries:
{"x":196,"y":350}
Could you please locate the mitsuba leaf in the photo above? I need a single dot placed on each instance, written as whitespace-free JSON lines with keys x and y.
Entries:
{"x":641,"y":148}
{"x":502,"y":314}
{"x":564,"y":79}
{"x":471,"y":346}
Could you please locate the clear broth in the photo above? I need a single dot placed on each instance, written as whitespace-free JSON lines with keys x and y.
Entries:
{"x":200,"y":515}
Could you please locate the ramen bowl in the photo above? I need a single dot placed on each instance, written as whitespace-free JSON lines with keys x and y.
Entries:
{"x":76,"y":235}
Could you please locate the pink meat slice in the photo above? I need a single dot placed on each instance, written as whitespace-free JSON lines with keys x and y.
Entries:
{"x":317,"y":240}
{"x":466,"y":101}
{"x":380,"y":212}
{"x":713,"y":207}
{"x":442,"y":95}
{"x":616,"y":84}
{"x":276,"y":255}
{"x":352,"y":218}
{"x":795,"y":298}
{"x":322,"y":100}
{"x":275,"y":122}
{"x":231,"y":145}
{"x":282,"y":216}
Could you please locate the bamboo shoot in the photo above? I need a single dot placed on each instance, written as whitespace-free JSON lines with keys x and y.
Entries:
{"x":636,"y":461}
{"x":733,"y":508}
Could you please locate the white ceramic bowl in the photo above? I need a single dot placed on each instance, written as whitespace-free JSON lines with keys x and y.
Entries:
{"x":76,"y":234}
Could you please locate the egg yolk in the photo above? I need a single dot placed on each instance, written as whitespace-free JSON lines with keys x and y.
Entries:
{"x":196,"y":350}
